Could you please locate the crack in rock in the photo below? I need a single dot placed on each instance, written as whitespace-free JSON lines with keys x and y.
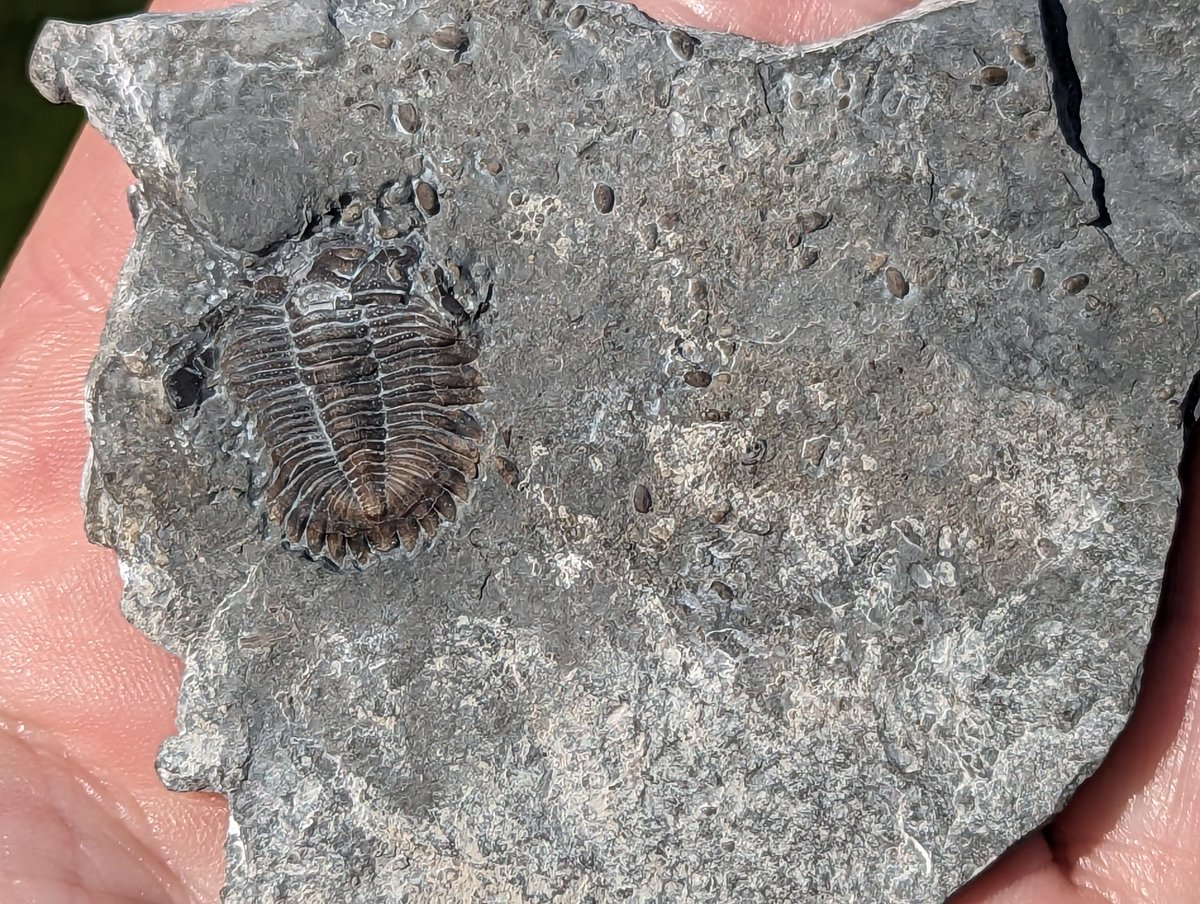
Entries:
{"x":1067,"y":92}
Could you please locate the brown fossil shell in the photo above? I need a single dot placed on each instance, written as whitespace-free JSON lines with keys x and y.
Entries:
{"x":358,"y":379}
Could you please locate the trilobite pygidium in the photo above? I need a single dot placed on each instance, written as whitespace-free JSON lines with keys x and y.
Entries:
{"x":353,"y":365}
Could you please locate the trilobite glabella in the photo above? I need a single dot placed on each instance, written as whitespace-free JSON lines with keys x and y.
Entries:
{"x":354,"y":367}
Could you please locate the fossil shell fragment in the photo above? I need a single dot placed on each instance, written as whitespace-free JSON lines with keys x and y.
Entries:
{"x":357,"y":374}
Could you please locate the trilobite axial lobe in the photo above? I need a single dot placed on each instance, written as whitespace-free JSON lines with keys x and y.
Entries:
{"x":356,"y":376}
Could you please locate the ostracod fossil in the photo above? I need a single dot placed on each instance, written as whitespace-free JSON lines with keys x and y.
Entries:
{"x":356,"y":371}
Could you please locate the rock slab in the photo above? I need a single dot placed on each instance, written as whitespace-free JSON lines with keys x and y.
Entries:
{"x":829,"y":451}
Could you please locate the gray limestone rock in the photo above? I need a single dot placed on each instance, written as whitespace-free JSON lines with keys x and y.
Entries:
{"x":828,"y":450}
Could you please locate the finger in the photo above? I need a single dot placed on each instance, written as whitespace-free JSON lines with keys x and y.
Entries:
{"x":73,"y":673}
{"x":70,"y":665}
{"x":1132,"y":831}
{"x":79,"y":832}
{"x":1136,"y":822}
{"x":778,"y":21}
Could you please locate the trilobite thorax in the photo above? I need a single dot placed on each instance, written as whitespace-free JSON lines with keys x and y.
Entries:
{"x":354,"y":368}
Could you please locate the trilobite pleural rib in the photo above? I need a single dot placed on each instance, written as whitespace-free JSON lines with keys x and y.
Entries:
{"x":357,"y":383}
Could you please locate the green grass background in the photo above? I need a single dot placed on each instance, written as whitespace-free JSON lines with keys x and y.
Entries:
{"x":34,"y":134}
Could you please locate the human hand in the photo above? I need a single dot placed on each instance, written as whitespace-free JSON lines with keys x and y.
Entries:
{"x":85,"y":700}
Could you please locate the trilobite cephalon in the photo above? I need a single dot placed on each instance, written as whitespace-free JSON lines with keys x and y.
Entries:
{"x":353,"y":365}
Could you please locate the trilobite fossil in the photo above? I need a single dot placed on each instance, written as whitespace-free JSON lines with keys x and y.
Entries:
{"x":355,"y":367}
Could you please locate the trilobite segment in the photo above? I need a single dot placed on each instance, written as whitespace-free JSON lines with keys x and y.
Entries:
{"x":359,"y":386}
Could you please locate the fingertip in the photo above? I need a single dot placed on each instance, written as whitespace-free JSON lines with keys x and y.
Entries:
{"x":794,"y":22}
{"x":1027,"y":873}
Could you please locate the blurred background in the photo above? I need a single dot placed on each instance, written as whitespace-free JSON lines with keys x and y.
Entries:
{"x":35,"y":134}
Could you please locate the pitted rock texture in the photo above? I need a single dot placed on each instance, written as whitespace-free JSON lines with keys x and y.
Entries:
{"x":828,"y":453}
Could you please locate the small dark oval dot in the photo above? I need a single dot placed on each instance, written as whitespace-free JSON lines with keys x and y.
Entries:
{"x":796,"y":100}
{"x":427,"y":198}
{"x":682,"y":44}
{"x":993,"y":76}
{"x":271,"y":286}
{"x":1037,"y":276}
{"x":698,"y":379}
{"x":408,"y":117}
{"x":508,"y":470}
{"x":719,"y":512}
{"x":1047,"y":547}
{"x":451,"y":38}
{"x":1073,"y":285}
{"x":576,"y":17}
{"x":806,"y":257}
{"x":843,"y":102}
{"x":662,"y":94}
{"x":840,"y":81}
{"x":1021,"y":54}
{"x":604,"y":198}
{"x":650,"y":236}
{"x":895,"y":282}
{"x":723,"y":590}
{"x":811,"y":221}
{"x":379,"y":39}
{"x":642,"y":502}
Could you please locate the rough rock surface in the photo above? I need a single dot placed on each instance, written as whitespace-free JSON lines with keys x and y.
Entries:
{"x":902,"y":422}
